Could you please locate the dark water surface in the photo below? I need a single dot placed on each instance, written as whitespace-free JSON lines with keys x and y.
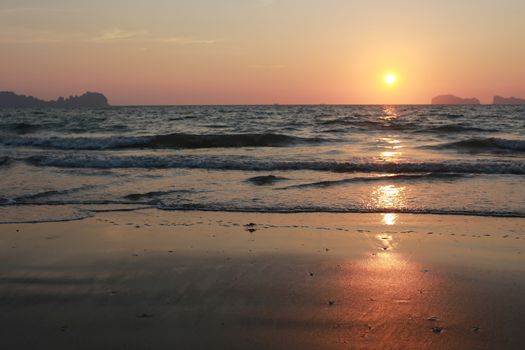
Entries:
{"x":413,"y":159}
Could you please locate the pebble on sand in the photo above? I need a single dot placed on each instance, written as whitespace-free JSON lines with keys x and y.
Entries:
{"x":437,"y":330}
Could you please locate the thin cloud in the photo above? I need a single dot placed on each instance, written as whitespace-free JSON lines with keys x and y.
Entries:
{"x":182,"y":40}
{"x":143,"y":36}
{"x":27,"y":36}
{"x":118,"y":34}
{"x":264,"y":3}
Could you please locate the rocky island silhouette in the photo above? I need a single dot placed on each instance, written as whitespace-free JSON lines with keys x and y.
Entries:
{"x":499,"y":100}
{"x":9,"y":99}
{"x":455,"y":100}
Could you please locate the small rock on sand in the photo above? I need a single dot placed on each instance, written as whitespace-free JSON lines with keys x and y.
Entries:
{"x":437,"y":330}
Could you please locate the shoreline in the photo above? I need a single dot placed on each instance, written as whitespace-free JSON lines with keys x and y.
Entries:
{"x":87,"y":211}
{"x":170,"y":279}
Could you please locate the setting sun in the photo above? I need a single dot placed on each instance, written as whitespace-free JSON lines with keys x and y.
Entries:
{"x":390,"y":79}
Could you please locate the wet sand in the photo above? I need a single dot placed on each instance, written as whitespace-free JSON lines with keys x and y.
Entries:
{"x":195,"y":280}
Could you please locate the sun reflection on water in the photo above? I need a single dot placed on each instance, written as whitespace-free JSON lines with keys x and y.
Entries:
{"x":389,"y":196}
{"x":389,"y":113}
{"x":388,"y":155}
{"x":391,"y":149}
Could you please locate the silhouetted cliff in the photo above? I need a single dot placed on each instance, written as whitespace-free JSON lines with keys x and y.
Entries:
{"x":498,"y":100}
{"x":89,"y":99}
{"x":454,"y":100}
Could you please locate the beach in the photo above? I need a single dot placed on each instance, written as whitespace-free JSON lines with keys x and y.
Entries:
{"x":195,"y":280}
{"x":265,"y":174}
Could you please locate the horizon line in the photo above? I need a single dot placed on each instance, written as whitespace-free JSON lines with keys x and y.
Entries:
{"x":297,"y":104}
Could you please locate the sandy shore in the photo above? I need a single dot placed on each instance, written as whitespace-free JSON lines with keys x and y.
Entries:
{"x":194,"y":280}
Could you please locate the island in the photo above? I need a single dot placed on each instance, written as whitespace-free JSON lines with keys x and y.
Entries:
{"x":9,"y":99}
{"x":499,"y":100}
{"x":454,"y":100}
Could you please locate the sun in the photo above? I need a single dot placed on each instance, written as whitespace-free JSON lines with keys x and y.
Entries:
{"x":390,"y":79}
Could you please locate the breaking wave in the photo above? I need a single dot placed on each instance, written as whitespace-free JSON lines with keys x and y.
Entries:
{"x":320,"y":209}
{"x":390,"y":178}
{"x":266,"y":180}
{"x":492,"y":144}
{"x":453,"y":128}
{"x":20,"y":128}
{"x":176,"y":140}
{"x":260,"y":164}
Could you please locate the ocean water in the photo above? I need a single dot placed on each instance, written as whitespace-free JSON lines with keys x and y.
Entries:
{"x":456,"y":160}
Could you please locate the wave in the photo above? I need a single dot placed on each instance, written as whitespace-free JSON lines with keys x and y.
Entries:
{"x":492,"y":144}
{"x":453,"y":128}
{"x":176,"y":140}
{"x":261,"y":164}
{"x":152,"y":195}
{"x":86,"y":209}
{"x":20,"y":128}
{"x":390,"y":178}
{"x":339,"y":121}
{"x":266,"y":180}
{"x":51,"y":193}
{"x":229,"y":140}
{"x":449,"y":115}
{"x":369,"y":125}
{"x":314,"y":209}
{"x":82,"y":143}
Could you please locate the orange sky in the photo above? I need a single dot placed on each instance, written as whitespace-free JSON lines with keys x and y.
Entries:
{"x":263,"y":51}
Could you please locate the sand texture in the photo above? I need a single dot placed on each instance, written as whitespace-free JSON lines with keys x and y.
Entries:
{"x":195,"y":280}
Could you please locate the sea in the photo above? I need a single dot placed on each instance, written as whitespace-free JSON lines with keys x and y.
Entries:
{"x":68,"y":164}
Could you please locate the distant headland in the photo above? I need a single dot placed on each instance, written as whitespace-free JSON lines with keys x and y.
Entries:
{"x":455,"y":100}
{"x":9,"y":99}
{"x":498,"y":100}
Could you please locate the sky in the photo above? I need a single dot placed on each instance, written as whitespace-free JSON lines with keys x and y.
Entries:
{"x":263,"y":51}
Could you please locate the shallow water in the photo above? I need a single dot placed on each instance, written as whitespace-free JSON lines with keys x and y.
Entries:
{"x":414,"y":159}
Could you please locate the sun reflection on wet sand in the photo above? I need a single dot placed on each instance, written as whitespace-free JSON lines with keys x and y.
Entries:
{"x":389,"y":219}
{"x":376,"y":287}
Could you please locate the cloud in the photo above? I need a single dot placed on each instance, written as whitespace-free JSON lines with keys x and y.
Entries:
{"x":264,"y":3}
{"x":144,"y":37}
{"x":17,"y":35}
{"x":182,"y":40}
{"x":119,"y":34}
